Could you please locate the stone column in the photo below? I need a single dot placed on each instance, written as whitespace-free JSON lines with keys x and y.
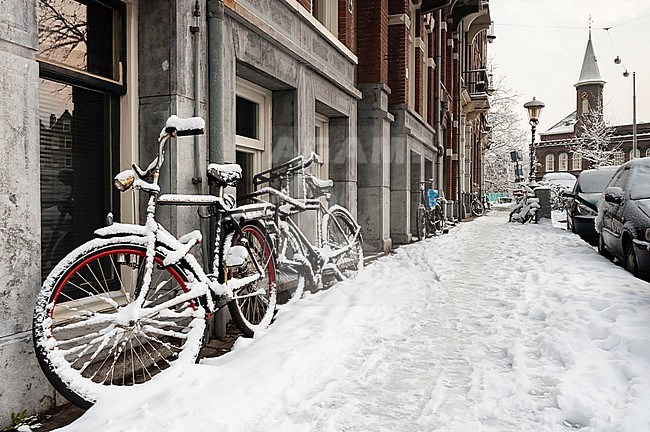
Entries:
{"x":373,"y":126}
{"x":24,"y":386}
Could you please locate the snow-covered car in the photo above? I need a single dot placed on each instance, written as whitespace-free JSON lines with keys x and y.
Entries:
{"x":582,"y":202}
{"x":559,"y":180}
{"x":623,"y":220}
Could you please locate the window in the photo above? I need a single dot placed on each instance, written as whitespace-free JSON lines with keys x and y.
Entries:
{"x":84,"y":35}
{"x":619,"y":157}
{"x":321,"y":145}
{"x":80,"y":52}
{"x":253,"y":131}
{"x":550,"y":162}
{"x":327,"y":12}
{"x":633,"y":156}
{"x":647,"y":152}
{"x":563,"y":162}
{"x":576,"y":162}
{"x":410,"y":71}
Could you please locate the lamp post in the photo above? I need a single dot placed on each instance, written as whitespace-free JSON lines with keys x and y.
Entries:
{"x":534,"y":108}
{"x":634,"y":147}
{"x":626,"y":74}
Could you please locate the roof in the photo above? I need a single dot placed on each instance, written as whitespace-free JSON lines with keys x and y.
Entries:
{"x":590,"y":74}
{"x":566,"y":125}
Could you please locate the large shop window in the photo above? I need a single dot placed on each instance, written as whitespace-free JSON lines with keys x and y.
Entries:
{"x":81,"y":65}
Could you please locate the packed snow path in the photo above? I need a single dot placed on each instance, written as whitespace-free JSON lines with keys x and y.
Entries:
{"x":493,"y":327}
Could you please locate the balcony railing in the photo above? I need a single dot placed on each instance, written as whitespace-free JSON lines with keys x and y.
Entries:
{"x":478,"y":83}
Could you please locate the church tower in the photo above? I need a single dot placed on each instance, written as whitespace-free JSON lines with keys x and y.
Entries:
{"x":589,"y":88}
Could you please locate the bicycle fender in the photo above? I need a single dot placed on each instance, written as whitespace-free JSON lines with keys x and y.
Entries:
{"x":163,"y":238}
{"x":342,"y":209}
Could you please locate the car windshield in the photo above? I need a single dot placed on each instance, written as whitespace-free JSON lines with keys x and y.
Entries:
{"x":640,"y":184}
{"x":595,"y":181}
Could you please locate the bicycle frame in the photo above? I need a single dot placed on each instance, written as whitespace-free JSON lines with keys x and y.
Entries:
{"x":221,"y":289}
{"x":317,"y":258}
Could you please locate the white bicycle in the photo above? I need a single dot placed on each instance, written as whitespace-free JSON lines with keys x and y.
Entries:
{"x":336,"y":252}
{"x":133,"y":302}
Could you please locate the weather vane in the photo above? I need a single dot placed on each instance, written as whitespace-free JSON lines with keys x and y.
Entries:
{"x":590,"y":21}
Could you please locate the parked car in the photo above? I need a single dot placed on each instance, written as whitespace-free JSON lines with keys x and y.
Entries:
{"x":559,"y":180}
{"x":582,"y":202}
{"x":623,"y":220}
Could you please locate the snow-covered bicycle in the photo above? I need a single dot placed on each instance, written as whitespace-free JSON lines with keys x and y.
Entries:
{"x":133,"y":302}
{"x":430,"y":217}
{"x":525,"y":209}
{"x":476,"y":205}
{"x":337,"y":250}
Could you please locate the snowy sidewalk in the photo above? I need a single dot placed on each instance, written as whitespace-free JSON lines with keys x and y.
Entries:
{"x":493,"y":327}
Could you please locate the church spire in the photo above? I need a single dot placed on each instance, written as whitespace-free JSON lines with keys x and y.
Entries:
{"x":589,"y":74}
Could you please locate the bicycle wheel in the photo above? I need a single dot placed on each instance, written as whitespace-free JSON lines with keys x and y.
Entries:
{"x":421,"y":222}
{"x":438,"y":220}
{"x":86,"y":336}
{"x":290,"y":268}
{"x":342,"y":233}
{"x":256,"y":311}
{"x":477,"y":208}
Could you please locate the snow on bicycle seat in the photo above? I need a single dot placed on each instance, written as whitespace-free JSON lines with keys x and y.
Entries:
{"x":225,"y":175}
{"x":177,"y":126}
{"x":317,"y":187}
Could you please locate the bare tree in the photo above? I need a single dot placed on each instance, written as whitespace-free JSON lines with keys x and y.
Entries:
{"x":593,"y":140}
{"x":506,"y":136}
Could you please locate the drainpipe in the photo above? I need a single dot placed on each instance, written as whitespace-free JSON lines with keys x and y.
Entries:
{"x":460,"y":131}
{"x":197,"y":180}
{"x":440,"y":160}
{"x":215,"y":79}
{"x":216,"y":122}
{"x":215,"y":92}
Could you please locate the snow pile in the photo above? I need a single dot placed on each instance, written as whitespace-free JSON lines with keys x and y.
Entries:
{"x":494,"y":327}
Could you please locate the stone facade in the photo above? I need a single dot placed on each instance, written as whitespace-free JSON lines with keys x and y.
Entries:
{"x":22,"y":384}
{"x":383,"y":78}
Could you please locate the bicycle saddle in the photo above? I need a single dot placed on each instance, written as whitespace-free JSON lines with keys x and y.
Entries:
{"x":317,"y":187}
{"x":225,"y":175}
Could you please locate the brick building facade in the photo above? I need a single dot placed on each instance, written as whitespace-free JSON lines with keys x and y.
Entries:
{"x":554,"y":149}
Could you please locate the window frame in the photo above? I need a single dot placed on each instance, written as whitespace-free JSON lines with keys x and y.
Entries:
{"x":327,"y":13}
{"x":619,"y":157}
{"x":563,"y":162}
{"x":549,"y":157}
{"x":260,"y":148}
{"x":113,"y":90}
{"x":56,"y":71}
{"x":576,"y":162}
{"x":410,"y":68}
{"x":322,"y":122}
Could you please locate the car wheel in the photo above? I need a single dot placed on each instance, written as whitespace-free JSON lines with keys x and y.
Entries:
{"x":602,"y":249}
{"x":630,"y":259}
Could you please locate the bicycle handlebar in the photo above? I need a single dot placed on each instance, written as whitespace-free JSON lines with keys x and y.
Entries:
{"x":174,"y":127}
{"x":296,"y":164}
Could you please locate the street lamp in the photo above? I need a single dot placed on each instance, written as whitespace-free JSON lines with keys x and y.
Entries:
{"x":534,"y":108}
{"x":626,"y":74}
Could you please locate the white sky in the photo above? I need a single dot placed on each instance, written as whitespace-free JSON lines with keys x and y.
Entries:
{"x":540,"y":57}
